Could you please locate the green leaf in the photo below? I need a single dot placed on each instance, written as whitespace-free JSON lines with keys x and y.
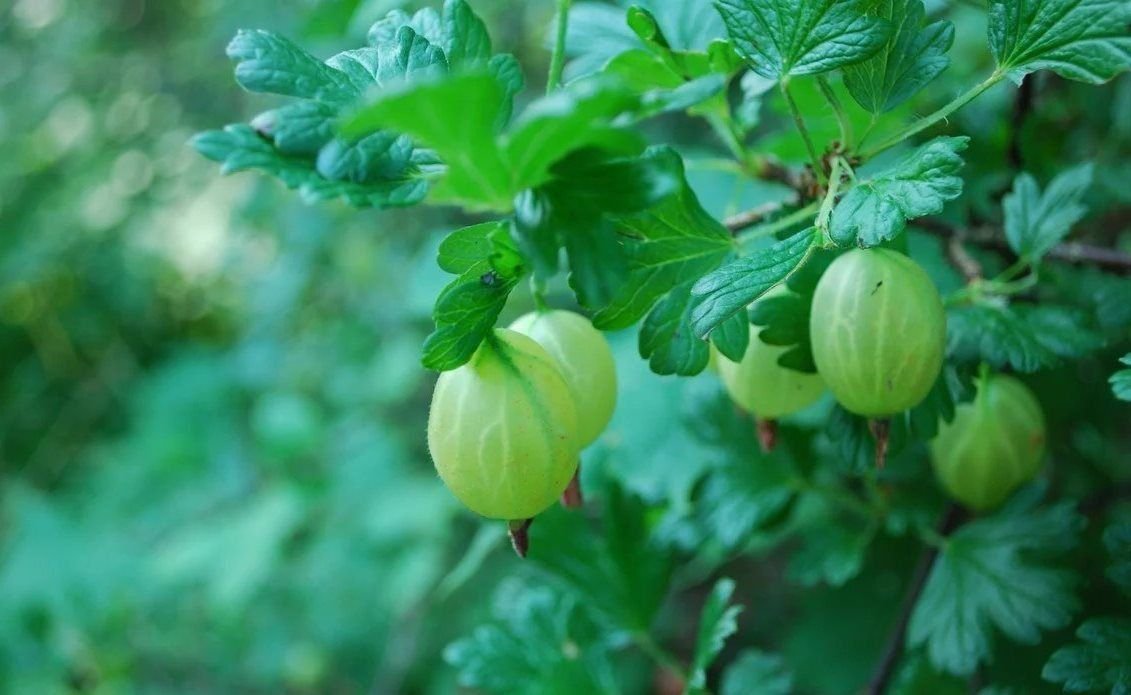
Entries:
{"x":670,"y":244}
{"x":733,"y":287}
{"x":1035,"y":222}
{"x":618,"y":572}
{"x":1101,"y":661}
{"x":570,"y":119}
{"x":1117,"y":540}
{"x":913,"y":56}
{"x":371,"y":171}
{"x":467,"y":309}
{"x":666,"y":338}
{"x":780,"y":38}
{"x":598,"y":264}
{"x":477,"y":172}
{"x":993,"y":573}
{"x":877,"y":210}
{"x":467,"y":248}
{"x":573,"y":209}
{"x":755,"y":490}
{"x":832,"y":551}
{"x":271,"y":63}
{"x":717,"y":622}
{"x":241,"y":148}
{"x":486,"y":168}
{"x":1024,"y":337}
{"x":785,"y":318}
{"x":732,"y":337}
{"x":757,"y":673}
{"x":539,"y":641}
{"x":1085,"y":40}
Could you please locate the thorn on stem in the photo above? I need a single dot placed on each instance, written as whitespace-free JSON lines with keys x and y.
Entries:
{"x":520,"y":540}
{"x":767,"y":434}
{"x":881,"y":431}
{"x":571,"y":496}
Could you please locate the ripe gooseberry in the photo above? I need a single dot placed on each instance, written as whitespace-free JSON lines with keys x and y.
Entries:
{"x":878,"y":331}
{"x":586,"y":362}
{"x":993,"y":445}
{"x":502,"y":429}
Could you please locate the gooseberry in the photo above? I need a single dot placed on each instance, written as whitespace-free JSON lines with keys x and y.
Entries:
{"x":878,"y":331}
{"x":993,"y":445}
{"x":586,"y":363}
{"x":502,"y":429}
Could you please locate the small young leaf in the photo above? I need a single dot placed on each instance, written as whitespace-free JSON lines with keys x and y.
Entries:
{"x":757,"y":673}
{"x":271,"y":63}
{"x":1101,"y":661}
{"x":912,"y":57}
{"x":716,"y":623}
{"x":1085,"y":40}
{"x":466,"y":310}
{"x":780,"y":38}
{"x":990,"y":574}
{"x":1035,"y":221}
{"x":730,"y":289}
{"x":877,"y":210}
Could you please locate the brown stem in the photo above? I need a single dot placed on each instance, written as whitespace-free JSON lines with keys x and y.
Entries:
{"x":1070,"y":252}
{"x":749,"y":218}
{"x":881,"y":431}
{"x":518,"y":529}
{"x":767,"y":434}
{"x":961,"y":259}
{"x":571,"y":496}
{"x":893,"y":647}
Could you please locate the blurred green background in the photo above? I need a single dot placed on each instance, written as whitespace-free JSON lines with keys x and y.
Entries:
{"x":211,"y":432}
{"x":211,"y":407}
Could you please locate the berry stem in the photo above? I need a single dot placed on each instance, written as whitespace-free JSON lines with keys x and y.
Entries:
{"x":881,"y":431}
{"x":767,"y":434}
{"x":518,"y":529}
{"x":571,"y":497}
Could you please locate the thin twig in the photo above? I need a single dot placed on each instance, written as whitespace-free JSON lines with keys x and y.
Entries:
{"x":749,"y":218}
{"x":557,"y":57}
{"x":970,"y":268}
{"x":893,"y":648}
{"x":1070,"y":252}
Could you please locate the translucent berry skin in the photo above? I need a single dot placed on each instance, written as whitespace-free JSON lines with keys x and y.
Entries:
{"x":586,"y":363}
{"x":502,"y":429}
{"x":764,"y":388}
{"x":878,"y":330}
{"x":994,"y":444}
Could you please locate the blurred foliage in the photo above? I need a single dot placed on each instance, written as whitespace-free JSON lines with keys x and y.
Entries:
{"x":212,"y":459}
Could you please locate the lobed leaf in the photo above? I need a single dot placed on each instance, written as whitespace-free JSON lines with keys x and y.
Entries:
{"x":912,"y":57}
{"x":991,"y":574}
{"x":717,"y":622}
{"x":1035,"y":222}
{"x":877,"y":210}
{"x":1100,"y":661}
{"x":1085,"y":40}
{"x":780,"y":38}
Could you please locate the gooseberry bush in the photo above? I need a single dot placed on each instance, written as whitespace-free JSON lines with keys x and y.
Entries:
{"x":864,"y":247}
